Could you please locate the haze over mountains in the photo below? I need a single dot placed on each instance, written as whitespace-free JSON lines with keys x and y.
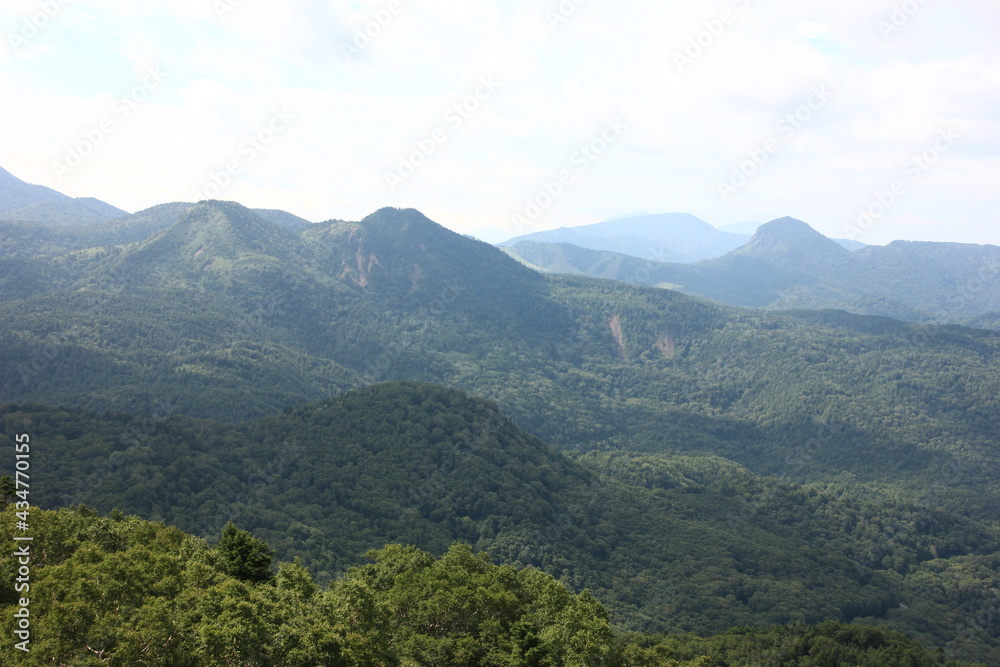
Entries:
{"x":669,"y":238}
{"x":340,"y":385}
{"x":787,"y":264}
{"x":37,"y":203}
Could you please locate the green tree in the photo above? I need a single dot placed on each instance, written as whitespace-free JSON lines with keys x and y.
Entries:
{"x":7,"y":490}
{"x":244,"y":556}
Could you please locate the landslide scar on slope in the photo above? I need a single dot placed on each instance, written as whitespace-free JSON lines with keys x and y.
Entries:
{"x":616,"y":330}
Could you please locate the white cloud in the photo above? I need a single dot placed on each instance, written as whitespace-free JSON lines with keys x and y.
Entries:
{"x":354,"y":118}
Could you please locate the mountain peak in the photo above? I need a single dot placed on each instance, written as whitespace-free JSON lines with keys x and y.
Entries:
{"x":403,"y":220}
{"x":211,"y":239}
{"x":407,"y":261}
{"x":786,"y":225}
{"x":402,"y":245}
{"x":230,"y":229}
{"x":792,"y":238}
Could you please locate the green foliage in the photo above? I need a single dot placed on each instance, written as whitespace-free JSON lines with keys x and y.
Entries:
{"x":7,"y":490}
{"x":827,"y":644}
{"x":218,"y":313}
{"x":244,"y":556}
{"x":121,"y":591}
{"x":684,"y":543}
{"x":462,"y":610}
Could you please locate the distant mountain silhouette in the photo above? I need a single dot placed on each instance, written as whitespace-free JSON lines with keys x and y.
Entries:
{"x":37,"y":203}
{"x":670,"y":237}
{"x":788,"y":264}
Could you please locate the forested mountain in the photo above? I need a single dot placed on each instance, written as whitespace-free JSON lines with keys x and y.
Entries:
{"x":122,"y":591}
{"x":284,"y":219}
{"x":37,"y":203}
{"x":857,"y":454}
{"x":675,"y":543}
{"x":787,"y":264}
{"x":226,"y":315}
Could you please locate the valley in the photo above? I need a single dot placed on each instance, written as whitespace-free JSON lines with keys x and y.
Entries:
{"x":698,"y":465}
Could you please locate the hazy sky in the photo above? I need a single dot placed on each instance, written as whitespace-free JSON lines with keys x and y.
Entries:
{"x":496,"y":118}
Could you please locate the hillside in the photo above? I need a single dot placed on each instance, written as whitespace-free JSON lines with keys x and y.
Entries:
{"x":226,"y":315}
{"x":284,"y":219}
{"x":153,"y":595}
{"x":666,"y":542}
{"x":223,"y":314}
{"x":37,"y":203}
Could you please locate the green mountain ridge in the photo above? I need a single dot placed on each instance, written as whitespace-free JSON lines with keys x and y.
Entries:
{"x":678,"y":543}
{"x":203,"y":312}
{"x":209,"y":239}
{"x":223,"y":314}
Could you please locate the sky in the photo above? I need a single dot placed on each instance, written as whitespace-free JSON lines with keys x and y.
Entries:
{"x":869,"y":119}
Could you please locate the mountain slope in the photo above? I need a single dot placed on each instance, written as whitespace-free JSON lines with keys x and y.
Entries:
{"x":146,"y":585}
{"x":436,"y":278}
{"x":685,"y":543}
{"x":209,"y":241}
{"x":284,"y":219}
{"x":206,"y":315}
{"x":37,"y":203}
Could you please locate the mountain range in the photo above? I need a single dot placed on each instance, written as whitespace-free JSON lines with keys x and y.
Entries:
{"x":671,"y":237}
{"x":787,"y":264}
{"x":339,"y":385}
{"x":678,"y":238}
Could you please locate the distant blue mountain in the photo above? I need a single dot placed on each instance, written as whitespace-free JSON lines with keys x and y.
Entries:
{"x":788,"y":264}
{"x":668,"y":237}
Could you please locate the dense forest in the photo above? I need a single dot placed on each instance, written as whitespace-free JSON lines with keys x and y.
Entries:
{"x":668,"y":543}
{"x":119,"y":590}
{"x":697,"y":467}
{"x":226,"y":315}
